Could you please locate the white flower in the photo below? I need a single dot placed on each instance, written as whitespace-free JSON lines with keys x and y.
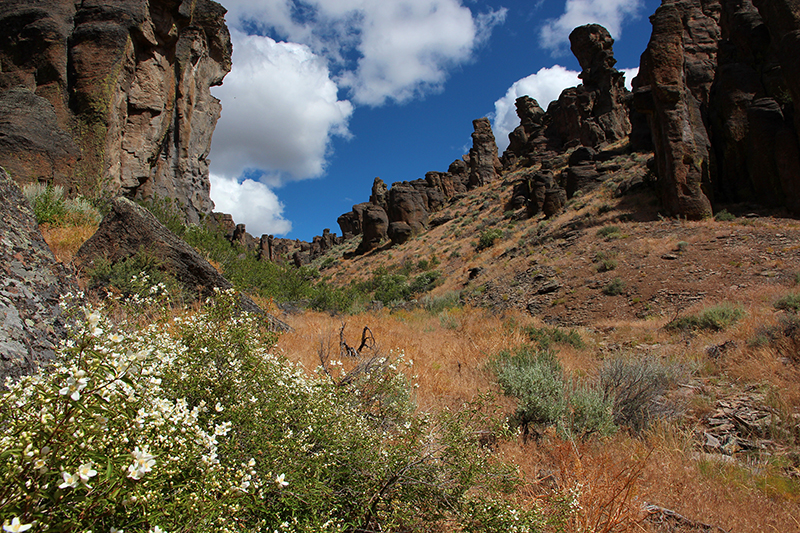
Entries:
{"x":218,"y":408}
{"x":222,"y":429}
{"x":86,"y":471}
{"x":75,"y":386}
{"x":115,"y":530}
{"x":280,"y":479}
{"x":114,"y":337}
{"x":157,"y":530}
{"x":143,"y":463}
{"x":70,"y":480}
{"x":15,"y":526}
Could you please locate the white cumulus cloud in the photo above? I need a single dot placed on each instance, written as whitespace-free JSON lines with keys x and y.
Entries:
{"x":252,"y":203}
{"x":407,"y":48}
{"x":544,"y":87}
{"x":280,"y":111}
{"x":611,"y":14}
{"x":630,"y":73}
{"x":382,"y":49}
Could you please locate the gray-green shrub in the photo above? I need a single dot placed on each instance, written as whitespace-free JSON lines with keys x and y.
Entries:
{"x":633,"y":386}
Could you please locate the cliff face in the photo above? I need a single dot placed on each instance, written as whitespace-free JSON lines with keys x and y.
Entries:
{"x":112,"y":96}
{"x":720,"y":84}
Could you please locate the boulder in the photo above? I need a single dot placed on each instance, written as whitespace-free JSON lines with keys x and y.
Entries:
{"x":129,"y":228}
{"x":351,"y":223}
{"x":554,"y":201}
{"x":484,"y":163}
{"x":400,"y":232}
{"x":31,"y":286}
{"x":375,"y":228}
{"x":407,"y":204}
{"x":582,"y":178}
{"x":674,"y":82}
{"x":113,"y":97}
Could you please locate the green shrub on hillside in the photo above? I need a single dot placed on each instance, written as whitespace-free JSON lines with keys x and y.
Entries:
{"x":546,"y":336}
{"x":610,"y":232}
{"x":615,"y":287}
{"x":714,"y":318}
{"x":536,"y":379}
{"x":488,"y":238}
{"x":789,"y":302}
{"x":545,"y":398}
{"x":50,"y":207}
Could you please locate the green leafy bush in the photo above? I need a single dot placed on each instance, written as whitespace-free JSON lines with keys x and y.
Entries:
{"x":606,"y":261}
{"x":544,"y":398}
{"x":789,"y":302}
{"x":714,"y":318}
{"x":138,"y":277}
{"x":610,"y":232}
{"x":50,"y":207}
{"x":615,"y":287}
{"x":590,"y":412}
{"x":536,"y":379}
{"x":487,"y":238}
{"x":194,"y":424}
{"x":546,"y":336}
{"x":724,"y":216}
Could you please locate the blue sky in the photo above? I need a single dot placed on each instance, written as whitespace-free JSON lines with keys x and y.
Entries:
{"x":325,"y":95}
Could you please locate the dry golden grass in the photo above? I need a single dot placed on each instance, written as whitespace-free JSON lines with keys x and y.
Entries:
{"x":448,"y":350}
{"x":608,"y":480}
{"x":65,"y":241}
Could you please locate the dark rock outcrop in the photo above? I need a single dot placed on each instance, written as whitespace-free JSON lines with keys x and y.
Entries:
{"x":407,"y":204}
{"x":539,"y":193}
{"x":375,"y":227}
{"x":484,"y":163}
{"x":595,"y":112}
{"x":755,"y":140}
{"x":674,"y":83}
{"x":720,"y":83}
{"x":112,"y":96}
{"x":129,"y":228}
{"x":400,"y":232}
{"x":31,"y":287}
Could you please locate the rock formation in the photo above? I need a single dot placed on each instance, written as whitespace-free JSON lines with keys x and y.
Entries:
{"x":484,"y":163}
{"x":404,"y":209}
{"x":595,"y":112}
{"x":375,"y":227}
{"x":112,"y":97}
{"x":755,"y":141}
{"x":30,"y":289}
{"x":675,"y":77}
{"x":720,"y":83}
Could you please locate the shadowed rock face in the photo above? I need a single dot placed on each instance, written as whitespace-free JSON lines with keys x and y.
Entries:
{"x":112,"y":96}
{"x":675,"y":77}
{"x":758,"y":157}
{"x":31,"y":285}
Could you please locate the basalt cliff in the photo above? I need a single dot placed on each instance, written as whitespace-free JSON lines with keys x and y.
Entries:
{"x":108,"y":98}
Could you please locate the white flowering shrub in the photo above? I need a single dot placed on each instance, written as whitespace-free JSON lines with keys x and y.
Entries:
{"x":194,"y":424}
